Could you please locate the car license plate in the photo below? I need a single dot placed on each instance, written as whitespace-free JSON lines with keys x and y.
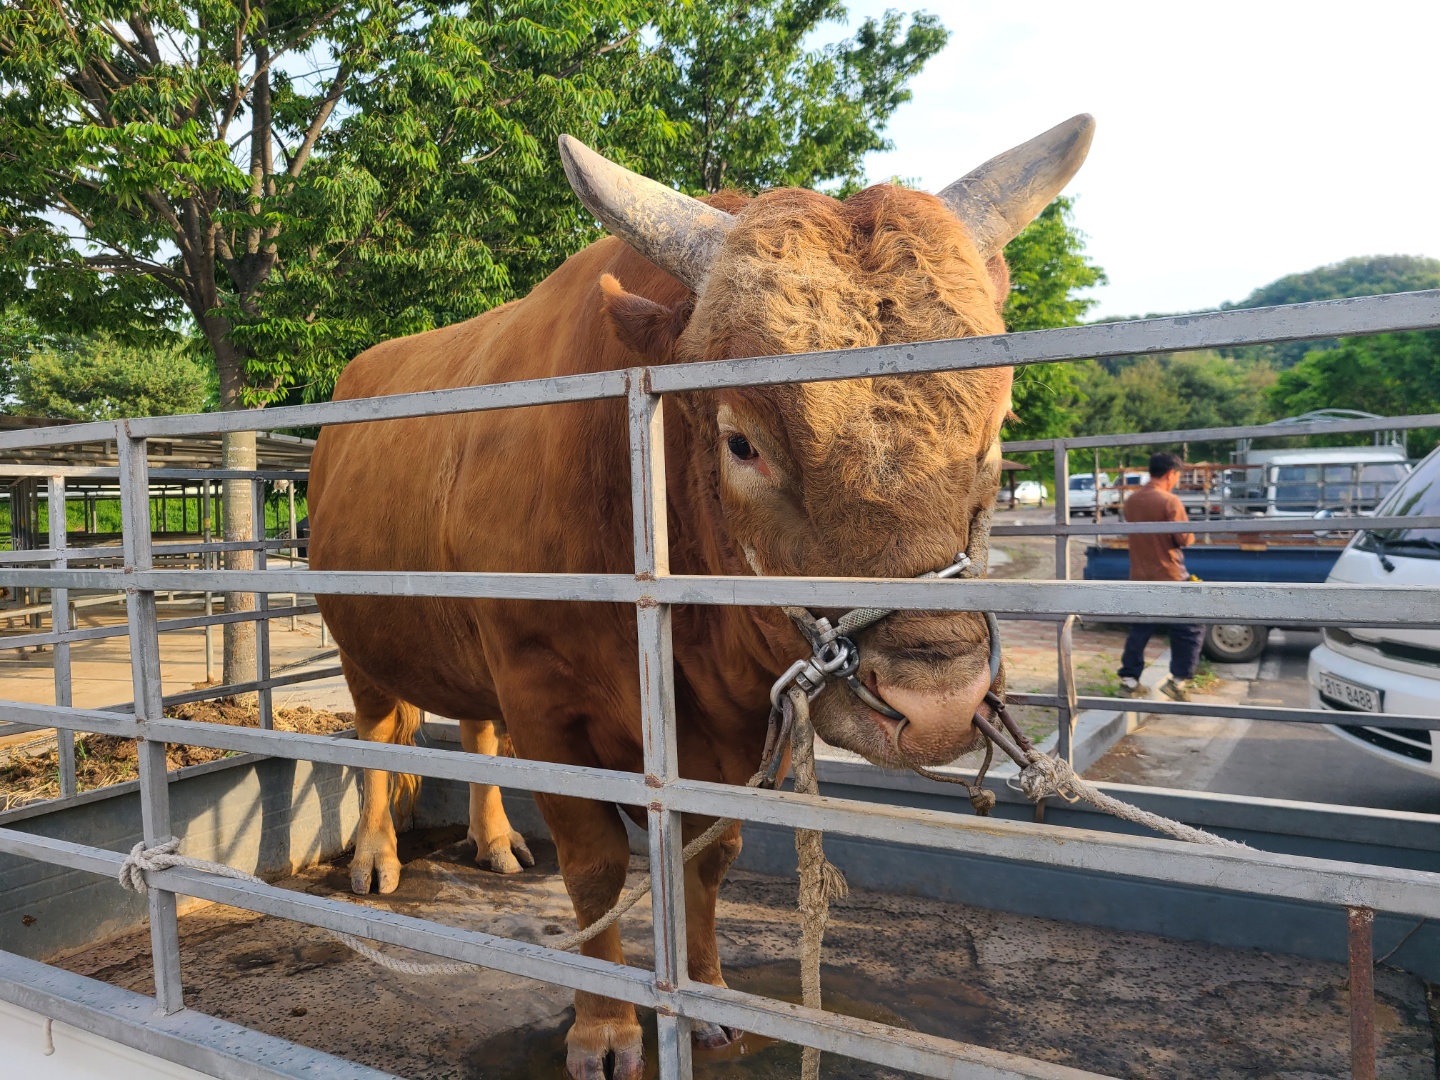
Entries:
{"x":1359,"y":698}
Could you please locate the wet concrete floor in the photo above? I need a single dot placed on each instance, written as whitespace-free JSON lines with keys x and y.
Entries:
{"x":1131,"y":1005}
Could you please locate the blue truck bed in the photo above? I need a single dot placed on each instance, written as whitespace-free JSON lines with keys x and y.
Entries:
{"x":1284,"y":564}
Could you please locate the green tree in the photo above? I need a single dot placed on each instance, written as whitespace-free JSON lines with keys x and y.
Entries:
{"x":1048,"y":273}
{"x":762,"y":110}
{"x":296,"y":178}
{"x":20,"y":338}
{"x":101,"y":378}
{"x":1171,"y":391}
{"x":1388,"y":374}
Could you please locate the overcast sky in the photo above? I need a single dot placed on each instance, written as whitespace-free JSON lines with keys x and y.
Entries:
{"x":1236,"y":141}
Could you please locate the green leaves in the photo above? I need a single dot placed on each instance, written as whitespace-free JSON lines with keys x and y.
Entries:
{"x":102,"y":379}
{"x":299,"y":179}
{"x":1388,"y":374}
{"x":1048,"y":273}
{"x":763,"y":111}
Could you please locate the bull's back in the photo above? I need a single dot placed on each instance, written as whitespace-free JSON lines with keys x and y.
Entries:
{"x":518,"y":490}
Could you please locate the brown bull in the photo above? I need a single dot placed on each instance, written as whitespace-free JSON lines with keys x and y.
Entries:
{"x":884,"y":477}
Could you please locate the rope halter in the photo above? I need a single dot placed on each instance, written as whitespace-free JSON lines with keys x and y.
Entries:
{"x":835,"y":656}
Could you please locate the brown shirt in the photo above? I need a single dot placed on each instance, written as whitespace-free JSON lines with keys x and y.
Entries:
{"x":1157,"y":556}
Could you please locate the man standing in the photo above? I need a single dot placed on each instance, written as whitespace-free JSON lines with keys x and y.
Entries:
{"x":1159,"y":557}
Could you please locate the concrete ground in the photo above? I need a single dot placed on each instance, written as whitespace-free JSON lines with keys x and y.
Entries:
{"x":1304,"y":762}
{"x":1130,"y":1005}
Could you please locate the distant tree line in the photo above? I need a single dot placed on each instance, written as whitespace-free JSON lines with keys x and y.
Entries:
{"x":1388,"y":374}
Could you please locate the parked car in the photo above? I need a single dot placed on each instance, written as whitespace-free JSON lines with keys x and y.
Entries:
{"x":1029,"y":493}
{"x":1083,"y":494}
{"x":1396,"y":669}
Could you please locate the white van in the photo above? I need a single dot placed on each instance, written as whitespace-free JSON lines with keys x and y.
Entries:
{"x":1393,"y":670}
{"x":1302,"y":483}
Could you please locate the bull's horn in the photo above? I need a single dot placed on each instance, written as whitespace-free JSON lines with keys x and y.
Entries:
{"x":1008,"y":192}
{"x":677,"y":233}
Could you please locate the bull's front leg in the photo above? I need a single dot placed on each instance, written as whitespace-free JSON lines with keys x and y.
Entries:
{"x":594,"y":854}
{"x":703,"y":875}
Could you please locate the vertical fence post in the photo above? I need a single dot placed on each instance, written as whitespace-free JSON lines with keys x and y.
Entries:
{"x":294,"y":600}
{"x":1362,"y":993}
{"x":210,"y":561}
{"x":262,"y":605}
{"x":1065,"y":635}
{"x":60,"y":623}
{"x":657,"y":707}
{"x":145,"y":674}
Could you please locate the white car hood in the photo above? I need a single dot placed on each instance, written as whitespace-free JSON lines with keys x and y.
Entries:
{"x":1357,"y":567}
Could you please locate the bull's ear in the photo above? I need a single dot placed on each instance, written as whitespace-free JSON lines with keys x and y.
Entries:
{"x":643,"y":326}
{"x":1000,"y":277}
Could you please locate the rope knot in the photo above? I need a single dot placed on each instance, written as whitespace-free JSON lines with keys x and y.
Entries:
{"x":1045,"y":777}
{"x":160,"y":857}
{"x":982,"y":800}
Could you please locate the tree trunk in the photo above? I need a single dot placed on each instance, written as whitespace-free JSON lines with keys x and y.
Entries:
{"x":236,"y":500}
{"x":238,"y":452}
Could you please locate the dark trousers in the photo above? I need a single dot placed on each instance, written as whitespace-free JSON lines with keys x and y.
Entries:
{"x":1185,"y":642}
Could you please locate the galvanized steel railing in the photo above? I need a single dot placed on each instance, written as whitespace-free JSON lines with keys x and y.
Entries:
{"x":653,"y":591}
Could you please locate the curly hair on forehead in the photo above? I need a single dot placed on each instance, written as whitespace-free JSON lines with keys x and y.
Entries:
{"x":804,"y":272}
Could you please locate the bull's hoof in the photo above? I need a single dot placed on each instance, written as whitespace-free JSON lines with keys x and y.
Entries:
{"x":593,"y":1044}
{"x":708,"y":1036}
{"x":503,"y":855}
{"x":369,"y":865}
{"x":625,"y":1064}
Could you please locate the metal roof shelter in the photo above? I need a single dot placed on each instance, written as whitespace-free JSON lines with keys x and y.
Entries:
{"x":273,"y":449}
{"x":182,"y":468}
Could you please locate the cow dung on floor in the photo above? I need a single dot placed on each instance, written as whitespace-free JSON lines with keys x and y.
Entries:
{"x":1132,"y":1005}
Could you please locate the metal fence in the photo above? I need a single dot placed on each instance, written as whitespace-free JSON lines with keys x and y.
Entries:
{"x":653,"y":591}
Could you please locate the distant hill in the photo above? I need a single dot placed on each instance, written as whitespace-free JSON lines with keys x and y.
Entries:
{"x":1366,"y":275}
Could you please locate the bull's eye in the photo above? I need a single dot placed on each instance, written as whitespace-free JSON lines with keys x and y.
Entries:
{"x":741,"y":448}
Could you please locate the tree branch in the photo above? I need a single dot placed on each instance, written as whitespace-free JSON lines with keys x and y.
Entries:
{"x":145,"y":37}
{"x":317,"y":125}
{"x":121,"y":263}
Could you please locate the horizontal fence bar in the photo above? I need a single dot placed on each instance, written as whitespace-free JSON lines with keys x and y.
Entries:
{"x":1178,"y":333}
{"x":1143,"y":857}
{"x":177,"y":474}
{"x":110,"y":553}
{"x":1220,"y":329}
{"x":205,"y":1044}
{"x":1253,"y":871}
{"x":564,"y":388}
{"x":1239,"y":526}
{"x":92,"y":633}
{"x":1220,"y":434}
{"x":1130,"y":601}
{"x":66,"y":718}
{"x":1268,"y":713}
{"x":600,"y":784}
